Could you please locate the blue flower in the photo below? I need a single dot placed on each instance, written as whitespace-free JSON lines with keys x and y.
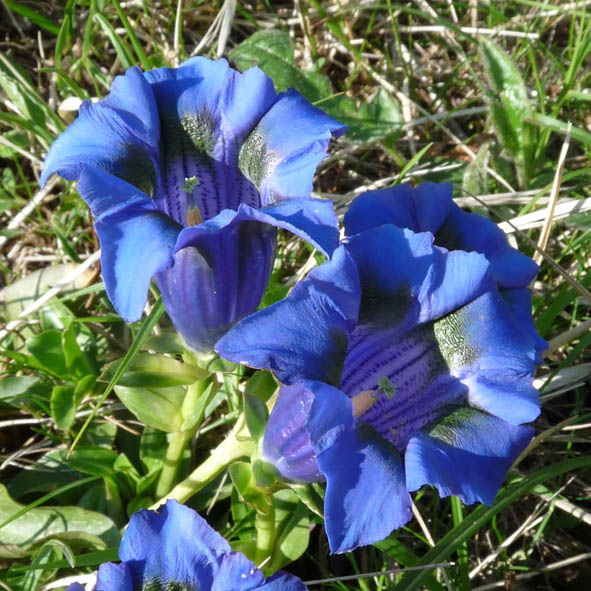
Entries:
{"x":188,"y":173}
{"x":174,"y":549}
{"x":403,"y":365}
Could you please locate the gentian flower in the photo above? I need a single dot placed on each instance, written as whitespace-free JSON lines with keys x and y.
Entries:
{"x":188,"y":172}
{"x":403,"y":366}
{"x":175,"y":549}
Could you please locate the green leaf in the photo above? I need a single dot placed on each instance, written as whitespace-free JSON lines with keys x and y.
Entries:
{"x":46,"y":349}
{"x":153,"y":371}
{"x":122,"y":50}
{"x":20,"y":536}
{"x":38,"y":19}
{"x":272,"y":51}
{"x":475,"y":173}
{"x":292,"y":529}
{"x":264,"y":474}
{"x":367,"y":121}
{"x":243,"y":479}
{"x":545,"y":121}
{"x":510,"y":108}
{"x":261,"y":384}
{"x":197,"y":398}
{"x":13,"y":386}
{"x":97,"y":461}
{"x":256,"y":414}
{"x":156,"y":407}
{"x":449,"y":544}
{"x":63,"y":405}
{"x":167,"y":342}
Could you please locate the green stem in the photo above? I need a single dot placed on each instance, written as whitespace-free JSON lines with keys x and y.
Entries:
{"x":236,"y":445}
{"x":174,"y":455}
{"x":265,"y":535}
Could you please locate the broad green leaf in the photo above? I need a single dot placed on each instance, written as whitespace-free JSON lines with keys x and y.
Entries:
{"x":46,"y":349}
{"x":167,"y":342}
{"x":49,"y":472}
{"x":510,"y":108}
{"x":77,"y":527}
{"x":13,"y":386}
{"x":256,"y":414}
{"x":97,"y":461}
{"x":261,"y":384}
{"x":154,"y":371}
{"x":156,"y":407}
{"x":243,"y":479}
{"x":367,"y":121}
{"x":272,"y":51}
{"x":63,"y":406}
{"x":475,"y":173}
{"x":292,"y":529}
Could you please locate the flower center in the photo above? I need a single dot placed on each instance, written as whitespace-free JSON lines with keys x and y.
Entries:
{"x":158,"y":585}
{"x":399,"y":384}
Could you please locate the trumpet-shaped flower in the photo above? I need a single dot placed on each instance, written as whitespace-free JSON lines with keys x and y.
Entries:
{"x":175,"y":549}
{"x":188,"y":172}
{"x":403,"y":365}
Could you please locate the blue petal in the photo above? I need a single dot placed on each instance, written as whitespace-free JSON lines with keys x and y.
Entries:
{"x":137,"y":241}
{"x":173,"y":544}
{"x":77,"y":587}
{"x":287,"y":443}
{"x":222,"y":266}
{"x":473,"y":232}
{"x":366,"y":496}
{"x":281,"y":581}
{"x":405,"y":280}
{"x":111,"y":577}
{"x":219,"y":276}
{"x":119,"y":135}
{"x":422,"y":209}
{"x":519,"y":300}
{"x":483,"y":335}
{"x":506,"y":395}
{"x":281,"y":154}
{"x":306,"y":334}
{"x":238,"y":574}
{"x":313,"y":220}
{"x":465,"y":453}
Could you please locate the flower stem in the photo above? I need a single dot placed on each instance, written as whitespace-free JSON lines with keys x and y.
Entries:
{"x":265,"y":535}
{"x":174,"y":454}
{"x":236,"y":445}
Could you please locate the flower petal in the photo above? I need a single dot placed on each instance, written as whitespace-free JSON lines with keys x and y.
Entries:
{"x":219,"y":276}
{"x":366,"y":496}
{"x":137,"y":241}
{"x":287,"y":443}
{"x":238,"y":574}
{"x":473,"y":232}
{"x":422,"y":209}
{"x":519,"y":300}
{"x":465,"y":453}
{"x":313,"y":220}
{"x":305,"y":335}
{"x":281,"y":581}
{"x":111,"y":577}
{"x":406,"y":280}
{"x":281,"y":154}
{"x":119,"y":135}
{"x":173,"y":544}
